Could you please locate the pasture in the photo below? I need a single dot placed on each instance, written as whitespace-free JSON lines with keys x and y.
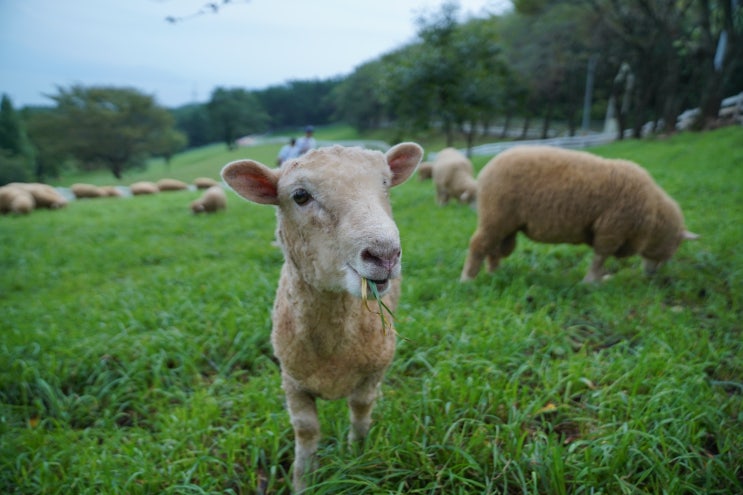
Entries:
{"x":135,"y":354}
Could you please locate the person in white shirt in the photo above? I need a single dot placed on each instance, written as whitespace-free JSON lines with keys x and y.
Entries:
{"x":289,"y":150}
{"x":307,"y":142}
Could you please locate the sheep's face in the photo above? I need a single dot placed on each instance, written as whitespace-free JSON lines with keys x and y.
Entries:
{"x":335,"y":220}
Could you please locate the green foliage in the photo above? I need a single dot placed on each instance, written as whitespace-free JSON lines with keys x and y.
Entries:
{"x":235,"y":113}
{"x":135,"y":355}
{"x":107,"y":127}
{"x":16,"y":151}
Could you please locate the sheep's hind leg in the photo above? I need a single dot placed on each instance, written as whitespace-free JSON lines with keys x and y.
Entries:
{"x":303,"y":413}
{"x":475,"y":257}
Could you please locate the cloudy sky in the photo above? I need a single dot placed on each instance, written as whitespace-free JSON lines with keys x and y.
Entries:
{"x":249,"y":44}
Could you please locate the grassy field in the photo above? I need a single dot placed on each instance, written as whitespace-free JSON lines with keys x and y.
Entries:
{"x":135,"y":354}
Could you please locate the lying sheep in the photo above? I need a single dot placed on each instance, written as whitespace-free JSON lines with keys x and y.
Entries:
{"x":144,"y":187}
{"x":45,"y":196}
{"x":171,"y":185}
{"x":454,"y":177}
{"x":204,"y":182}
{"x":16,"y":200}
{"x":560,"y":196}
{"x":111,"y":192}
{"x":335,"y":228}
{"x":211,"y":201}
{"x":87,"y":191}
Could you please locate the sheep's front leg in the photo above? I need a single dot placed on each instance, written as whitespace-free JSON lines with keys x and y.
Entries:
{"x":361,"y":403}
{"x":650,"y":266}
{"x":303,"y":414}
{"x":596,"y":271}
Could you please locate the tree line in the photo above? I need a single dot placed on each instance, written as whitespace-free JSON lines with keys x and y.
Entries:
{"x":544,"y":61}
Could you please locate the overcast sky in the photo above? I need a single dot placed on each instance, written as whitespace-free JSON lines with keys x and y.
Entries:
{"x":248,"y":44}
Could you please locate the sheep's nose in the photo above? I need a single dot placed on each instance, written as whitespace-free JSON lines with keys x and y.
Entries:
{"x":386,"y":259}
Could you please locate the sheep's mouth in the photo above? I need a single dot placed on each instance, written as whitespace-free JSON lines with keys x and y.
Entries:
{"x":382,"y":285}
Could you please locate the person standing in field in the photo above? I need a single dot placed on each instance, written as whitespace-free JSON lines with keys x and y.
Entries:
{"x":289,"y":150}
{"x":306,"y":142}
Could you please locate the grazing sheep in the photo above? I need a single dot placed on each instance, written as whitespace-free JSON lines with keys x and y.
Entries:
{"x":204,"y":182}
{"x":335,"y":228}
{"x":45,"y":196}
{"x":16,"y":200}
{"x":213,"y":200}
{"x":171,"y":185}
{"x":144,"y":187}
{"x":561,"y":196}
{"x":425,"y":171}
{"x":87,"y":191}
{"x":454,"y":177}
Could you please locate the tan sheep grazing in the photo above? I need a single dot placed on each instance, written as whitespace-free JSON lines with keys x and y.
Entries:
{"x":554,"y":195}
{"x":82,"y":191}
{"x":45,"y":196}
{"x":211,"y":201}
{"x":16,"y":200}
{"x":425,"y":171}
{"x":335,"y":228}
{"x":454,"y":177}
{"x":171,"y":185}
{"x":204,"y":182}
{"x":144,"y":187}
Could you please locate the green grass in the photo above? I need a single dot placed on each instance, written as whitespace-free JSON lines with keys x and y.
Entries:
{"x":135,"y":354}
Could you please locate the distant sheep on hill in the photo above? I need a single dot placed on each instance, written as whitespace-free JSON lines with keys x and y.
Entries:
{"x":454,"y":177}
{"x":336,"y":230}
{"x":554,"y":195}
{"x":111,"y":192}
{"x":144,"y":187}
{"x":87,"y":191}
{"x":204,"y":183}
{"x":211,"y":201}
{"x":16,"y":200}
{"x":45,"y":196}
{"x":171,"y":185}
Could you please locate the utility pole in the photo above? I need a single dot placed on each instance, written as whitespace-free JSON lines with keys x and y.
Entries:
{"x":592,"y":61}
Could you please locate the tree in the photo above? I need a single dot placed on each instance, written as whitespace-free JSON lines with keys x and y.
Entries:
{"x":107,"y":127}
{"x":358,"y":98}
{"x":16,"y":151}
{"x":235,"y":113}
{"x":193,"y":121}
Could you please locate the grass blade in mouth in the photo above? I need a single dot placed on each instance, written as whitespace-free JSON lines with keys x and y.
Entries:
{"x":366,"y":286}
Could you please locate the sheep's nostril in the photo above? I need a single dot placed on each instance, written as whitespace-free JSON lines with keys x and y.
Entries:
{"x":386,"y":260}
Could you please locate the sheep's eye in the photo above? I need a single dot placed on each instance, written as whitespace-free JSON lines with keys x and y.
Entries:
{"x":301,"y":196}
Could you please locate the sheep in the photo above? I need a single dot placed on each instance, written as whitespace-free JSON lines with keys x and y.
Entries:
{"x":204,"y":182}
{"x":45,"y":196}
{"x":87,"y":191}
{"x":144,"y":187}
{"x":14,"y":199}
{"x":454,"y":177}
{"x":211,"y":201}
{"x":335,"y":228}
{"x":425,"y":171}
{"x":111,"y":192}
{"x":554,"y":195}
{"x":171,"y":185}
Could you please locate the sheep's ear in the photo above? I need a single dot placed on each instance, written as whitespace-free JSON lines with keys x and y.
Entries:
{"x":690,"y":236}
{"x":402,"y":159}
{"x":252,"y":180}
